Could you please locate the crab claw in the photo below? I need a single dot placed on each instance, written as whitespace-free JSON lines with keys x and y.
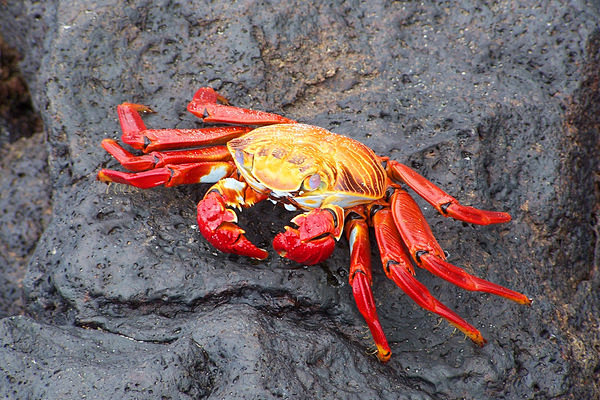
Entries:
{"x":289,"y":245}
{"x":217,"y":223}
{"x":314,"y":240}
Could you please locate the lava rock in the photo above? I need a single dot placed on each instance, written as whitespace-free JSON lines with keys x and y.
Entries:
{"x":498,"y":105}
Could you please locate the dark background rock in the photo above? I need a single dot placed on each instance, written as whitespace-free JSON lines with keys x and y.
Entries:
{"x":124,"y":299}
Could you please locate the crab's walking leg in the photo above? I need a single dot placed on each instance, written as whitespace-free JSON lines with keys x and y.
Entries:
{"x":205,"y":105}
{"x":427,"y":253}
{"x":171,"y":174}
{"x":314,"y":240}
{"x":397,"y":267}
{"x":445,"y":204}
{"x":357,"y":233}
{"x":139,"y":137}
{"x":217,"y":221}
{"x":157,"y":159}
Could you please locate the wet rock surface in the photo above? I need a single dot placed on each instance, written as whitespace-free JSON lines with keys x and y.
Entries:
{"x":124,"y":299}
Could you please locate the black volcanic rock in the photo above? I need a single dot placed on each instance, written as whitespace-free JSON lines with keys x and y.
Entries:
{"x":122,"y":298}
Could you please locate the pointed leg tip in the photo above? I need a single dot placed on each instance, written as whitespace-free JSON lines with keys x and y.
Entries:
{"x":527,"y":301}
{"x":383,"y":354}
{"x":500,"y":218}
{"x":104,"y":176}
{"x":137,"y":107}
{"x":477,"y":338}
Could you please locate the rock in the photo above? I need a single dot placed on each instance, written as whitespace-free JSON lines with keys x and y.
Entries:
{"x":497,"y":105}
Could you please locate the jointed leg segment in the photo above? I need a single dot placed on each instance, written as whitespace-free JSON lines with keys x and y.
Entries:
{"x":404,"y":238}
{"x":446,"y":205}
{"x":205,"y":105}
{"x":357,"y":233}
{"x":398,"y":267}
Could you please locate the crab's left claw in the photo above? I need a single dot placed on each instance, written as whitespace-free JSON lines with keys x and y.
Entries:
{"x":314,"y":240}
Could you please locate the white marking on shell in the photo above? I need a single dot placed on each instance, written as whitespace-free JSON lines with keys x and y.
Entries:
{"x":289,"y":207}
{"x":278,"y":194}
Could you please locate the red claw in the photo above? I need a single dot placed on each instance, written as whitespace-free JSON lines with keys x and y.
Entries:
{"x":289,"y":244}
{"x":314,"y":240}
{"x":216,"y":222}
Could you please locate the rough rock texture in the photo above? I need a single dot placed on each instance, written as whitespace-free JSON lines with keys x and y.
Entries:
{"x":25,"y":191}
{"x":123,"y":298}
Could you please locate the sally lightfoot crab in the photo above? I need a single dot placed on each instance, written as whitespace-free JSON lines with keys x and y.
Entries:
{"x":341,"y":185}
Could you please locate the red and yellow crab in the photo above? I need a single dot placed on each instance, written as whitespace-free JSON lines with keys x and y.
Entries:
{"x":339,"y":183}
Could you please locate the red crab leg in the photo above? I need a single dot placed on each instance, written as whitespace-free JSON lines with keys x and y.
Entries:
{"x":427,"y":253}
{"x":314,"y":240}
{"x":157,"y":159}
{"x":397,"y":267}
{"x":218,"y":222}
{"x":137,"y":136}
{"x":357,"y":233}
{"x":446,"y":205}
{"x":204,"y":105}
{"x":171,"y":174}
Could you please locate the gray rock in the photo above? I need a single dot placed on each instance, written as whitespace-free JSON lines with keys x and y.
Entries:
{"x":498,"y":105}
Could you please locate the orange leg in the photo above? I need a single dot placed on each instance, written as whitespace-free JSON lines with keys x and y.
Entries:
{"x":139,"y":137}
{"x":157,"y":159}
{"x":205,"y":105}
{"x":427,"y":253}
{"x":357,"y":233}
{"x":445,"y":204}
{"x":171,"y":174}
{"x":398,"y":267}
{"x":217,"y":221}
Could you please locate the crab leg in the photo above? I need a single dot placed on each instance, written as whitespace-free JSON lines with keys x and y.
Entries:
{"x":427,"y":253}
{"x":398,"y":267}
{"x":204,"y":105}
{"x":139,"y":137}
{"x":171,"y":174}
{"x":446,"y":205}
{"x":314,"y":240}
{"x":158,"y":159}
{"x":217,"y":221}
{"x":357,"y":233}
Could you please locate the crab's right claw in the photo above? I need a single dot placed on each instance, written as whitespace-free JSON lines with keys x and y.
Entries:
{"x":217,"y":223}
{"x":314,"y":240}
{"x":289,"y":245}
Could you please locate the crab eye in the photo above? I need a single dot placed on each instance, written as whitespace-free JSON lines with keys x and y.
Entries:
{"x":312,"y":182}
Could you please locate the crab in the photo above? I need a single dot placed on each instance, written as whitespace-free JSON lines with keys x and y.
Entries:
{"x":339,"y":185}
